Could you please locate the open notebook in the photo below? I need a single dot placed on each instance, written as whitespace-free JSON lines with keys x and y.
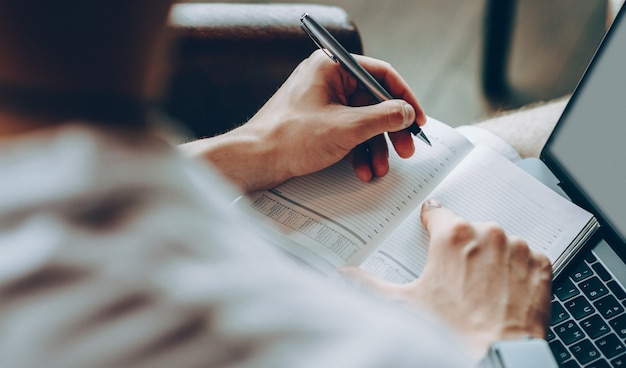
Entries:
{"x":331,"y":218}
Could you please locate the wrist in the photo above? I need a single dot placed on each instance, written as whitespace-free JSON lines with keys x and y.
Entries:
{"x":240,"y":157}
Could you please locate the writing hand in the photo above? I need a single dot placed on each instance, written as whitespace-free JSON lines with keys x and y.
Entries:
{"x":309,"y":124}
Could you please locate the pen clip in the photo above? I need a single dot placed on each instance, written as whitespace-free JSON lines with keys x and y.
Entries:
{"x":316,"y":41}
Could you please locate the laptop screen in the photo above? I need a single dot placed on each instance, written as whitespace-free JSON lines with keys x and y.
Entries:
{"x":587,"y":150}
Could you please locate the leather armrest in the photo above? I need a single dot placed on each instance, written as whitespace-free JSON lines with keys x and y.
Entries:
{"x":230,"y":58}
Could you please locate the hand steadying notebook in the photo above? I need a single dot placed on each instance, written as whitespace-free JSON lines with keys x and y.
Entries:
{"x":332,"y":216}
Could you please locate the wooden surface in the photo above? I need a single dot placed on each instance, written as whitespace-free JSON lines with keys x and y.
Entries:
{"x":437,"y":47}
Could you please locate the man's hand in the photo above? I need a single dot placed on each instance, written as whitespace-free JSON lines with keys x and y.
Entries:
{"x":487,"y":285}
{"x":309,"y":125}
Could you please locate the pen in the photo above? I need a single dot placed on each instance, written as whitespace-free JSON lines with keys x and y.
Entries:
{"x":327,"y":43}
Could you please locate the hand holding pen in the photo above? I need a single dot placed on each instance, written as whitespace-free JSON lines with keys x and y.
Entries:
{"x":318,"y":117}
{"x":327,"y":43}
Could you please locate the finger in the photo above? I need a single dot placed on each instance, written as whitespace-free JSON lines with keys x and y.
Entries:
{"x":369,"y":121}
{"x":519,"y":258}
{"x":393,"y":82}
{"x":402,"y":140}
{"x":441,"y":222}
{"x":542,"y":263}
{"x":402,"y":143}
{"x":542,"y":290}
{"x":360,"y":158}
{"x":379,"y":155}
{"x":519,"y":250}
{"x":492,"y":233}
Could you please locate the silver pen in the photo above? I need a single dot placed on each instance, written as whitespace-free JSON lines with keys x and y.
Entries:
{"x":327,"y":43}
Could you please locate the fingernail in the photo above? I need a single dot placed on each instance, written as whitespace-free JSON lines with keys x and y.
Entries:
{"x":408,"y":115}
{"x":432,"y":203}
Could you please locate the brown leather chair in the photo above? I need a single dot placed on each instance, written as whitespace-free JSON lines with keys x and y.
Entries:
{"x":230,"y":58}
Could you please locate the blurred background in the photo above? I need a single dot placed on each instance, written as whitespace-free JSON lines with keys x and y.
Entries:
{"x":438,"y":46}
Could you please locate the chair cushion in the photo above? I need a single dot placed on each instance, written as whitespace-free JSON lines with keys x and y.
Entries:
{"x":230,"y":58}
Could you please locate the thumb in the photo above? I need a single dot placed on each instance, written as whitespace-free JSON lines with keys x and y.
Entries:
{"x":365,"y":281}
{"x":438,"y":220}
{"x":435,"y":217}
{"x":387,"y":116}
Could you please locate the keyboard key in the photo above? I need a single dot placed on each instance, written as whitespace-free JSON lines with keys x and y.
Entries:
{"x":616,"y":289}
{"x":601,"y":271}
{"x":601,"y":363}
{"x":566,"y":289}
{"x":619,"y":325}
{"x":589,"y":257}
{"x":620,"y":361}
{"x":595,"y":326}
{"x":560,"y":352}
{"x":579,"y":307}
{"x":610,"y":345}
{"x":569,"y":332}
{"x":593,"y":288}
{"x":585,"y":352}
{"x":608,"y":306}
{"x":558,"y":313}
{"x":550,"y":335}
{"x":570,"y":364}
{"x":581,"y":272}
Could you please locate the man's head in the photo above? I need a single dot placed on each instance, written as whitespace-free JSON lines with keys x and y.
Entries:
{"x":78,"y":47}
{"x":95,"y":44}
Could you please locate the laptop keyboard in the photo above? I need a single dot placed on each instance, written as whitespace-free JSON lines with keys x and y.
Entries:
{"x":588,"y":326}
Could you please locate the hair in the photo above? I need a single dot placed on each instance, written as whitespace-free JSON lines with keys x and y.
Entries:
{"x":62,"y":52}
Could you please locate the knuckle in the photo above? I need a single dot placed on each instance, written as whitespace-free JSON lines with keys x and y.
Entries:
{"x":461,"y":232}
{"x":541,"y":267}
{"x":472,"y":250}
{"x":395,"y":113}
{"x":495,"y":233}
{"x":543,"y":263}
{"x":519,"y":246}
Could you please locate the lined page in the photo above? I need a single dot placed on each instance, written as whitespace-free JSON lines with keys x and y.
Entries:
{"x":485,"y":187}
{"x":344,"y":219}
{"x":402,"y":256}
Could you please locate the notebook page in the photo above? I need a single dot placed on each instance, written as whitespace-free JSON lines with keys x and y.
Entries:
{"x":402,"y":256}
{"x":500,"y":191}
{"x":485,"y":187}
{"x":343,"y":219}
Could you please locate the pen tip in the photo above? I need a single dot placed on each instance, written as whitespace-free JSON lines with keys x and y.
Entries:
{"x":425,"y":139}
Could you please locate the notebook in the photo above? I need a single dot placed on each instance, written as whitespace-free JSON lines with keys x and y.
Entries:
{"x":587,"y":155}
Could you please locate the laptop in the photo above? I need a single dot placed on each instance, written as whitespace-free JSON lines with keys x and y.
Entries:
{"x":587,"y":154}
